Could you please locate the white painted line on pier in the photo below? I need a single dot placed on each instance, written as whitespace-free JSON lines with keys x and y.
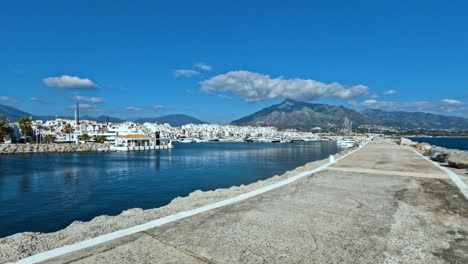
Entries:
{"x":171,"y":218}
{"x":452,"y":175}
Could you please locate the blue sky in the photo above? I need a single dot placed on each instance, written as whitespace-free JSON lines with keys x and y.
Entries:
{"x":220,"y":60}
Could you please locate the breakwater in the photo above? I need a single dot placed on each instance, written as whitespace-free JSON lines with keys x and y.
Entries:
{"x":52,"y":148}
{"x":453,"y":157}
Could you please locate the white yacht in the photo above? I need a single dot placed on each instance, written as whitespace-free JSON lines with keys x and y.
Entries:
{"x":346,"y":143}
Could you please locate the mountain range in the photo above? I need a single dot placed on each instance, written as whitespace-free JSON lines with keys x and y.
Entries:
{"x":176,"y":120}
{"x":294,"y":114}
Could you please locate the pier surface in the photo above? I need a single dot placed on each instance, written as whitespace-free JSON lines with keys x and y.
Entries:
{"x":382,"y":204}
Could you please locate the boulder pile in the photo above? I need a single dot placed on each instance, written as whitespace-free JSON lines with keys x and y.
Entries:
{"x":454,"y":157}
{"x":458,"y":160}
{"x":53,"y":147}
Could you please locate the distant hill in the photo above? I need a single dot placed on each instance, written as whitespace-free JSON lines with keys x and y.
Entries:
{"x":294,"y":114}
{"x":12,"y":113}
{"x":103,"y":119}
{"x":415,"y":119}
{"x":176,"y":120}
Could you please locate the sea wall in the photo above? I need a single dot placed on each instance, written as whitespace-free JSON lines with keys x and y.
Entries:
{"x":453,"y":157}
{"x":51,"y":148}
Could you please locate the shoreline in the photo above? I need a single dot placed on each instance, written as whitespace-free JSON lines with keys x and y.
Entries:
{"x":24,"y":244}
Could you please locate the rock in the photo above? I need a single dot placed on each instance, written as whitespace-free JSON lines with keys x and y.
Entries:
{"x":458,"y":159}
{"x":439,"y":154}
{"x":53,"y":147}
{"x":423,"y":146}
{"x":29,"y":236}
{"x":408,"y":142}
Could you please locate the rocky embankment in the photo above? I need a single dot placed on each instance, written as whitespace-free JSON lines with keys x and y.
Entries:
{"x":51,"y":148}
{"x":453,"y":157}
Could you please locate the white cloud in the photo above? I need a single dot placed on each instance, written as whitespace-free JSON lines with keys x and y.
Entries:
{"x":159,"y":107}
{"x":202,"y":66}
{"x":389,"y":92}
{"x":369,"y":102}
{"x":133,"y":109}
{"x":451,"y":101}
{"x":86,"y":108}
{"x":186,"y":73}
{"x":7,"y":99}
{"x":35,"y":99}
{"x":69,"y":82}
{"x":446,"y":105}
{"x":255,"y":87}
{"x":87,"y":99}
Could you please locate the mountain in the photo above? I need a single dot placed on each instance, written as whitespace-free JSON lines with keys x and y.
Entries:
{"x":174,"y":120}
{"x":294,"y":114}
{"x":12,"y":113}
{"x":415,"y":119}
{"x":103,"y":119}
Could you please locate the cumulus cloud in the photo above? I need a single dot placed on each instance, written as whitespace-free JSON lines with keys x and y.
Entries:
{"x":445,"y":105}
{"x":86,"y":108}
{"x":202,"y":66}
{"x":255,"y":87}
{"x":133,"y":109}
{"x":7,"y":99}
{"x":39,"y":100}
{"x":186,"y":73}
{"x":87,"y":99}
{"x":389,"y":92}
{"x":69,"y":82}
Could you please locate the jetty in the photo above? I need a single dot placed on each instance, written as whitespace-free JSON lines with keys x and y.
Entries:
{"x":380,"y":203}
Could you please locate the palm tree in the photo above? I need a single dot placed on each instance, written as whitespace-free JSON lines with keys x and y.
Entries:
{"x":49,"y":138}
{"x":85,"y":137}
{"x":8,"y":131}
{"x":100,"y":139}
{"x":68,"y":130}
{"x":25,"y":124}
{"x":3,"y":126}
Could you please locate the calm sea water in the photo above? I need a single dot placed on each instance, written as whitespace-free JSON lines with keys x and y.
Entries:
{"x":448,"y":142}
{"x":47,"y":192}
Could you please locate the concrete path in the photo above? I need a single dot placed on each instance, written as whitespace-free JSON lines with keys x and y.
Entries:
{"x":382,"y":204}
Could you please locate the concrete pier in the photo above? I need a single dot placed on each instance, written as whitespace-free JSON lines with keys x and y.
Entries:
{"x":382,"y":204}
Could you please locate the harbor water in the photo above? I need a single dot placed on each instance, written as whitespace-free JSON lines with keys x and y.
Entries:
{"x":47,"y":192}
{"x":447,"y":142}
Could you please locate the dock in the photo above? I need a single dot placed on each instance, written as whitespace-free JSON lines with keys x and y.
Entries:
{"x":383,"y":203}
